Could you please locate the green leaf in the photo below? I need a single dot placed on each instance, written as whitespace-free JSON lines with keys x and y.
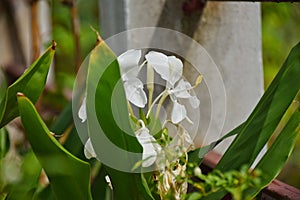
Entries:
{"x":106,"y":95}
{"x":74,"y":144}
{"x":195,"y":196}
{"x":31,"y":83}
{"x":99,"y":185}
{"x":4,"y":143}
{"x":69,"y":177}
{"x":276,"y":156}
{"x":26,"y":187}
{"x":63,"y":121}
{"x":262,"y":122}
{"x":196,"y":156}
{"x":44,"y":194}
{"x":215,"y":195}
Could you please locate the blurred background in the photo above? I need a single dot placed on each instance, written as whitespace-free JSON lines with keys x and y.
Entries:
{"x":68,"y":22}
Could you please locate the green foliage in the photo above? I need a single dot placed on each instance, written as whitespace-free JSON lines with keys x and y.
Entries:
{"x":261,"y":124}
{"x":31,"y":83}
{"x":25,"y":188}
{"x":233,"y":181}
{"x":255,"y":132}
{"x":104,"y":70}
{"x":280,"y":32}
{"x":277,"y":155}
{"x":62,"y":32}
{"x":69,"y":176}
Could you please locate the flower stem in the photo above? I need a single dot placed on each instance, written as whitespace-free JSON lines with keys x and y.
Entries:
{"x":150,"y":85}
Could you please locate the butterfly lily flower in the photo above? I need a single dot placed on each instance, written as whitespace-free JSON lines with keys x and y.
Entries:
{"x":170,"y":69}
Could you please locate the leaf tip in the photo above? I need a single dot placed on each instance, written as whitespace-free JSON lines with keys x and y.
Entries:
{"x":53,"y":45}
{"x":20,"y":94}
{"x":99,"y":39}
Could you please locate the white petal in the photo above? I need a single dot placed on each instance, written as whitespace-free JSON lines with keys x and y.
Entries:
{"x":178,"y":113}
{"x":135,"y":93}
{"x":82,"y":111}
{"x":160,"y":63}
{"x":129,"y":63}
{"x":181,"y":89}
{"x":194,"y":101}
{"x":150,"y":146}
{"x":175,"y":69}
{"x":89,"y":151}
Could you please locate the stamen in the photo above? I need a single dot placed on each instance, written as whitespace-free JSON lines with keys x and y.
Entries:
{"x":157,"y":98}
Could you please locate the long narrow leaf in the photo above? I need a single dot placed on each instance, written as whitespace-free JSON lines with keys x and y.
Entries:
{"x":105,"y":95}
{"x":277,"y":155}
{"x":264,"y":119}
{"x":31,"y":83}
{"x":69,"y":177}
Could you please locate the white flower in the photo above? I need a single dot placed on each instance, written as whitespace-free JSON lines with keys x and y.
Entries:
{"x":182,"y":91}
{"x":89,"y":151}
{"x":129,"y":63}
{"x":150,"y":146}
{"x":168,"y":67}
{"x":135,"y":93}
{"x":82,"y":111}
{"x":134,"y":88}
{"x":178,"y":113}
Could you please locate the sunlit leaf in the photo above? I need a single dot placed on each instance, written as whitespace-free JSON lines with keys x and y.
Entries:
{"x":262,"y":122}
{"x":31,"y":83}
{"x":276,"y":156}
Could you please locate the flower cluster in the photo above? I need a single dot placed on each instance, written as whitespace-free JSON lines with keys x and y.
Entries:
{"x":162,"y":151}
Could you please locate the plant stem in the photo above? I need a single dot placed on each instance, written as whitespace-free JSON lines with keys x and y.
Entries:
{"x":35,"y":31}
